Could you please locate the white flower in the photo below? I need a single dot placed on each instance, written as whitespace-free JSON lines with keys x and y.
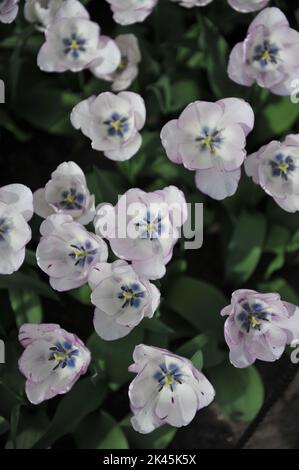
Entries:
{"x":167,"y":390}
{"x":127,"y":70}
{"x":75,"y":44}
{"x":46,"y":12}
{"x":52,"y":362}
{"x":66,"y":193}
{"x":131,"y":11}
{"x":121,"y":297}
{"x":16,"y":209}
{"x":8,"y":10}
{"x":112,"y":123}
{"x":67,"y":252}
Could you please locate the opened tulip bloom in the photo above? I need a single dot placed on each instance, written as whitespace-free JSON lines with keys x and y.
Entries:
{"x":269,"y":54}
{"x":112,"y":122}
{"x":45,"y":12}
{"x":127,"y":69}
{"x":76,"y":44}
{"x":16,"y":209}
{"x":131,"y":11}
{"x":275,"y":167}
{"x":144,"y":227}
{"x":52,"y":362}
{"x":67,"y":252}
{"x":66,"y":193}
{"x":259,"y":326}
{"x":210,"y":138}
{"x":168,"y":389}
{"x":8,"y":10}
{"x":121,"y":297}
{"x":192,"y":3}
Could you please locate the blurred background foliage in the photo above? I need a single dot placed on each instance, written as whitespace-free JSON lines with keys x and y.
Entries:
{"x":248,"y":240}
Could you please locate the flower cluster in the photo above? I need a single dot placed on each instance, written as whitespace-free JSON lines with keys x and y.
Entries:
{"x":210,"y":138}
{"x":52,"y":362}
{"x":259,"y":326}
{"x":16,"y":209}
{"x":268,"y":55}
{"x":126,"y":12}
{"x":8,"y":10}
{"x":112,"y":122}
{"x":167,"y":390}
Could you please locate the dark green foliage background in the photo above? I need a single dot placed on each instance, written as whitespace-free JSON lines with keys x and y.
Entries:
{"x":248,"y":240}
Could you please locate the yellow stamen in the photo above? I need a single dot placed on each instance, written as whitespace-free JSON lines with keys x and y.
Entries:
{"x":60,"y":356}
{"x":283,"y":167}
{"x":254,"y":321}
{"x":116,"y":125}
{"x":169,"y":379}
{"x":266,"y":56}
{"x":74,"y":45}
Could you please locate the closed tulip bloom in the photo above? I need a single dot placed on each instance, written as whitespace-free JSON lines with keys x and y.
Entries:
{"x":66,"y":193}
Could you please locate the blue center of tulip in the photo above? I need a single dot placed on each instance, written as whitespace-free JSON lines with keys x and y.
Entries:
{"x":118,"y":125}
{"x":131,"y":294}
{"x":83,"y":253}
{"x":74,"y":45}
{"x":5,"y":228}
{"x":71,"y":200}
{"x":63,"y":355}
{"x":252,"y":316}
{"x":210,"y":139}
{"x":168,"y":376}
{"x":150,"y":226}
{"x":266,"y":53}
{"x":282,"y":166}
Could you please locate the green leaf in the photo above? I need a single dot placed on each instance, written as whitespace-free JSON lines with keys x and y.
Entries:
{"x":100,"y":431}
{"x":84,"y":398}
{"x":158,"y":439}
{"x":198,"y":302}
{"x":106,"y":185}
{"x":31,"y":426}
{"x":26,"y":305}
{"x":280,"y":286}
{"x":208,"y":344}
{"x":281,"y":115}
{"x":108,"y":353}
{"x":276,"y":243}
{"x":239,"y":392}
{"x":82,"y":294}
{"x":20,"y":280}
{"x":197,"y":360}
{"x":4,"y":425}
{"x":245,"y":247}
